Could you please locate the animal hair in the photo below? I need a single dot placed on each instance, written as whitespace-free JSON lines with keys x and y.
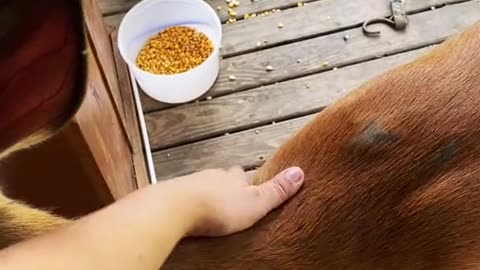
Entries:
{"x":392,"y":178}
{"x":33,"y":113}
{"x":19,"y":222}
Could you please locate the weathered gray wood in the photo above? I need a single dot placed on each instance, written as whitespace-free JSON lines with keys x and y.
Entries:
{"x":115,"y":9}
{"x":130,"y":116}
{"x":424,"y":28}
{"x":246,"y":148}
{"x":315,"y":19}
{"x":115,"y":6}
{"x":193,"y":122}
{"x":113,"y":20}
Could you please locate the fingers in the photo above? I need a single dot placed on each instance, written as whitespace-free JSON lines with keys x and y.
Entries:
{"x":282,"y":187}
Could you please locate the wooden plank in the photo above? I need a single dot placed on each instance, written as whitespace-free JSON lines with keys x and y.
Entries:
{"x":149,"y":104}
{"x":317,"y":18}
{"x":258,"y":6}
{"x":261,"y":105}
{"x":424,"y":28}
{"x":131,"y":121}
{"x":115,"y":6}
{"x":246,"y":148}
{"x":69,"y":188}
{"x":114,"y":20}
{"x":97,"y":135}
{"x":103,"y":51}
{"x":118,"y":8}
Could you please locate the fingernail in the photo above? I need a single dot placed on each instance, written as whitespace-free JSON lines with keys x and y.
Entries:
{"x":294,"y":175}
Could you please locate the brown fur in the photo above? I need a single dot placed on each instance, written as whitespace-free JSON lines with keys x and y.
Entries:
{"x":19,"y":222}
{"x":42,"y":84}
{"x":392,"y":178}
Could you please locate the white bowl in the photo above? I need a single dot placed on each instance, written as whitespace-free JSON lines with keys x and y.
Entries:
{"x":149,"y":17}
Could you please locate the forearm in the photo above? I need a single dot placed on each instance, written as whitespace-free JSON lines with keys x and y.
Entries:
{"x":137,"y":232}
{"x":140,"y":231}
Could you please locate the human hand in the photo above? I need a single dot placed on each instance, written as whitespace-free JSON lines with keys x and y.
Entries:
{"x":227,"y":203}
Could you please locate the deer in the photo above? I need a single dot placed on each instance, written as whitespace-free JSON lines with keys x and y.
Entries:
{"x":392,"y":178}
{"x":42,"y":86}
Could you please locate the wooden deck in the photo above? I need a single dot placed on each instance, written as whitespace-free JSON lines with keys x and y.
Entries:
{"x":242,"y":122}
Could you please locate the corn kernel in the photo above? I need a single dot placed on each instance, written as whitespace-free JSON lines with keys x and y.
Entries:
{"x":174,"y":50}
{"x":231,"y":12}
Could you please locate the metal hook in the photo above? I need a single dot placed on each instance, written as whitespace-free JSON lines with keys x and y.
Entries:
{"x":398,"y":20}
{"x":377,"y":20}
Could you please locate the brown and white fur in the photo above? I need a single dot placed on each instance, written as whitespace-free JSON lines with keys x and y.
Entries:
{"x":392,"y":180}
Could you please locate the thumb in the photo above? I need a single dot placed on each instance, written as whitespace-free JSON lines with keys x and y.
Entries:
{"x":282,"y":187}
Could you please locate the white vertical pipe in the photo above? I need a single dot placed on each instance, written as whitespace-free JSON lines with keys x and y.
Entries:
{"x":143,"y":129}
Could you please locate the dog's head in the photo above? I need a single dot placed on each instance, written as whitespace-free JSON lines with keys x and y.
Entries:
{"x":42,"y":69}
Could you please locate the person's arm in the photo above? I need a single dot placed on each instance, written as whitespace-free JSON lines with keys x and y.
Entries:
{"x":139,"y":231}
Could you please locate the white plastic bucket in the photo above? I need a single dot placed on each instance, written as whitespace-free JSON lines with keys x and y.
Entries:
{"x":149,"y":17}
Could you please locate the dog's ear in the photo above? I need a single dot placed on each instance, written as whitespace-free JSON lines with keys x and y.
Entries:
{"x":42,"y":68}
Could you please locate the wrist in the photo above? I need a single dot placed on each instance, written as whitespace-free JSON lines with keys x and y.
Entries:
{"x":186,"y":206}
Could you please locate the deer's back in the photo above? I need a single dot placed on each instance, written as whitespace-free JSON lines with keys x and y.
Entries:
{"x":392,"y":178}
